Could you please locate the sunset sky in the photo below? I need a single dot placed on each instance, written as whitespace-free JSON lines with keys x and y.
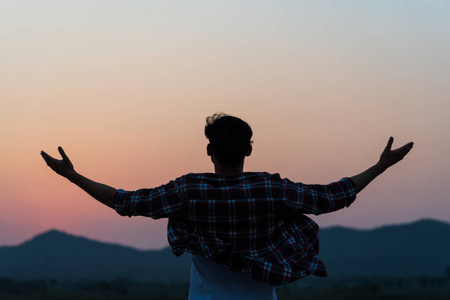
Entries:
{"x":125,"y":87}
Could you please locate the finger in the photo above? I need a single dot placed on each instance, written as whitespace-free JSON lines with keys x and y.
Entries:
{"x":390,"y":142}
{"x":405,"y":147}
{"x":63,"y":154}
{"x":46,"y":156}
{"x":49,"y":162}
{"x":389,"y":145}
{"x":404,"y":151}
{"x":408,"y":146}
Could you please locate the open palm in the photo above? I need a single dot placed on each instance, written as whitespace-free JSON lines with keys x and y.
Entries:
{"x":63,"y":167}
{"x":390,"y":157}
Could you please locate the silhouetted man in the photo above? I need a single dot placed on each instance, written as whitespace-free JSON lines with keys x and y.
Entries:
{"x":246,"y":231}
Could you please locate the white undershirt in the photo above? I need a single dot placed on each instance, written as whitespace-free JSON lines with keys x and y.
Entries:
{"x":211,"y":281}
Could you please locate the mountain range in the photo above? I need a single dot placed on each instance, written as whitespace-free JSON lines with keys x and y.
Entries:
{"x":421,"y":248}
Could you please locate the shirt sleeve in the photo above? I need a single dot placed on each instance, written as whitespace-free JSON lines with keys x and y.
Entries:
{"x":319,"y":199}
{"x":160,"y":202}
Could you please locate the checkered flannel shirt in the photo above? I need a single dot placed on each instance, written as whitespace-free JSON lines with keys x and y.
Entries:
{"x":253,"y":222}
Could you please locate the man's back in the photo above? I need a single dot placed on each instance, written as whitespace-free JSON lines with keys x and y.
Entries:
{"x":251,"y":222}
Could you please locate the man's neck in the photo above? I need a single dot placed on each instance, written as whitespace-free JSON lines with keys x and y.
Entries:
{"x":229,"y":171}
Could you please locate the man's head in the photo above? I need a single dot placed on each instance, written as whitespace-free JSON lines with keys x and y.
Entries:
{"x":229,"y":139}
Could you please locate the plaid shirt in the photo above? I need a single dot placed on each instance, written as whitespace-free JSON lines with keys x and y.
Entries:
{"x":253,"y":222}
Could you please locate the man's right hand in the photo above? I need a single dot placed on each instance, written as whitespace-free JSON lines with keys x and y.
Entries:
{"x":387,"y":159}
{"x":390,"y":157}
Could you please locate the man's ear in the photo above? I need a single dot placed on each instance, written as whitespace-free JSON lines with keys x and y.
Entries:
{"x":209,"y":150}
{"x":249,"y":151}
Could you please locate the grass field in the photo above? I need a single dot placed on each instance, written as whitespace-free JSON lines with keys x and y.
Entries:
{"x":422,"y":288}
{"x":283,"y":294}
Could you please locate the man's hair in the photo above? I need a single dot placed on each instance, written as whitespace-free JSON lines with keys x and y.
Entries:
{"x":230,"y":138}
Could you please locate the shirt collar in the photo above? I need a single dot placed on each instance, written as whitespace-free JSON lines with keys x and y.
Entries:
{"x":219,"y":177}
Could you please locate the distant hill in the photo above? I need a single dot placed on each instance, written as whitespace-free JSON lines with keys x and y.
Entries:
{"x":55,"y":254}
{"x":415,"y":249}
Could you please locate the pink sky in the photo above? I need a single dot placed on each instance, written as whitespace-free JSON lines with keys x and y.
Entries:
{"x":125,"y":88}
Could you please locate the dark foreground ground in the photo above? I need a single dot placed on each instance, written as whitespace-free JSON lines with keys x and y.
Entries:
{"x":434,"y":288}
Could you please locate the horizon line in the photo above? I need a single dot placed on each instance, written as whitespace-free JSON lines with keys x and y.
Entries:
{"x":160,"y":249}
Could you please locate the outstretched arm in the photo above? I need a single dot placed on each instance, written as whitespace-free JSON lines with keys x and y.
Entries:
{"x":103,"y":193}
{"x":387,"y":159}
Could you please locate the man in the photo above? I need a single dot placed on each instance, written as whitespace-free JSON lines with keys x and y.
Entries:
{"x":246,"y":231}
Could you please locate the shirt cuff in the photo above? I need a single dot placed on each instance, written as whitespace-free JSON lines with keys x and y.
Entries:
{"x":120,"y":202}
{"x":350,"y":190}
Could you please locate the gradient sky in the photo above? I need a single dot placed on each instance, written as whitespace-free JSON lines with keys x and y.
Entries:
{"x":125,"y":87}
